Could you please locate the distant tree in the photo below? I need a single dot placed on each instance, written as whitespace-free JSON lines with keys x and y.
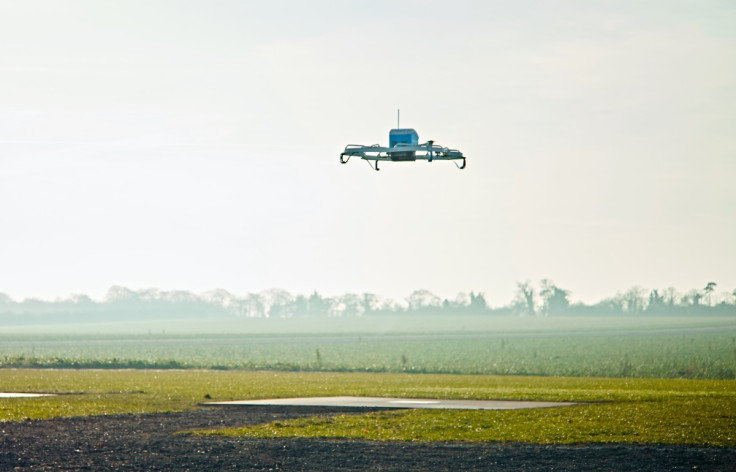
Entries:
{"x":461,"y":302}
{"x":148,"y":294}
{"x":36,"y":306}
{"x":122,"y":301}
{"x":610,"y":306}
{"x":116,"y":294}
{"x":696,"y":297}
{"x":555,"y":300}
{"x":690,"y":299}
{"x":709,"y":288}
{"x":301,"y":306}
{"x":474,"y":303}
{"x":226,"y":301}
{"x":348,"y":304}
{"x":390,"y":306}
{"x":633,"y":300}
{"x":180,"y":297}
{"x":254,"y":306}
{"x":656,"y":302}
{"x":447,"y":305}
{"x":370,"y":303}
{"x":723,"y":300}
{"x":79,"y":299}
{"x":525,"y":298}
{"x":670,"y":296}
{"x":8,"y":305}
{"x":423,"y":300}
{"x":76,"y":304}
{"x":478,"y":303}
{"x":277,"y":302}
{"x":318,"y":305}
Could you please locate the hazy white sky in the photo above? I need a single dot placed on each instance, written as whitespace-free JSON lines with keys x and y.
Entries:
{"x":194,"y":145}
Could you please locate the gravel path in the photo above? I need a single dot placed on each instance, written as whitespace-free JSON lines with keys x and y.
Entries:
{"x":147,"y":442}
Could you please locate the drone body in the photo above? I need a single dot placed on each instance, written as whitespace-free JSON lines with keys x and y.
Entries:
{"x":403,"y":145}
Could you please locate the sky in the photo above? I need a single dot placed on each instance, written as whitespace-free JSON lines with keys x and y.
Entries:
{"x":194,"y":145}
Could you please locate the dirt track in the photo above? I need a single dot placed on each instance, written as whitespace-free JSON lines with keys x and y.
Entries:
{"x":147,"y":442}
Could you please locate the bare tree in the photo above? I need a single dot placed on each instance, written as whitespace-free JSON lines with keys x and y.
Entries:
{"x":709,"y":288}
{"x":633,"y":300}
{"x":525,"y":298}
{"x":670,"y":296}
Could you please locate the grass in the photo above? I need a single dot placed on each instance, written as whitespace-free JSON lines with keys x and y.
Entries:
{"x":554,"y":359}
{"x":671,"y":411}
{"x":691,"y":421}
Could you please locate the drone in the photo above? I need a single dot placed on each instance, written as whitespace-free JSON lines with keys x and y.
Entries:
{"x":403,"y":146}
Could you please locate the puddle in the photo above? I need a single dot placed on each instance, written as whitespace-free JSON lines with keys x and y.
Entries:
{"x":383,"y":402}
{"x":24,"y":395}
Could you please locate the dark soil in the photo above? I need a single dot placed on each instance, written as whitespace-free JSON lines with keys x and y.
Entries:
{"x":148,"y":442}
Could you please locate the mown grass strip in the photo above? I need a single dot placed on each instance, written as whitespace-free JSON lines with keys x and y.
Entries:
{"x":672,"y":411}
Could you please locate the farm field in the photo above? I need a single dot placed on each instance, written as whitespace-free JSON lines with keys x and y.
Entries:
{"x":639,"y":380}
{"x":575,"y":346}
{"x":659,"y":389}
{"x":370,"y":324}
{"x":661,"y":411}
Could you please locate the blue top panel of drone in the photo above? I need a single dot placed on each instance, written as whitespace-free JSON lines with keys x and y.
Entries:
{"x":405,"y":136}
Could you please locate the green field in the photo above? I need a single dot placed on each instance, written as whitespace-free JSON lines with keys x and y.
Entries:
{"x":638,"y":379}
{"x":671,"y":411}
{"x":654,"y":347}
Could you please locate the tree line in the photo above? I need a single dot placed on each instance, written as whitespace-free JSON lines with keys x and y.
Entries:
{"x":542,"y":299}
{"x":549,"y":299}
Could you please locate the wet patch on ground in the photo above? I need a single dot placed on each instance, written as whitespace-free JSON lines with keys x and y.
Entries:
{"x":24,"y":395}
{"x":386,"y":402}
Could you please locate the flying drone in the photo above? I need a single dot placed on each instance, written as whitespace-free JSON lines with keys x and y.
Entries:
{"x":403,"y":146}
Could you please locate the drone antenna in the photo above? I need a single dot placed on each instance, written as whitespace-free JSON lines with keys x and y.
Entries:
{"x":398,"y":118}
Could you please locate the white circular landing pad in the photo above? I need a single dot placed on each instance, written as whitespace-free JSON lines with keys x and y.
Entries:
{"x":24,"y":395}
{"x":383,"y":402}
